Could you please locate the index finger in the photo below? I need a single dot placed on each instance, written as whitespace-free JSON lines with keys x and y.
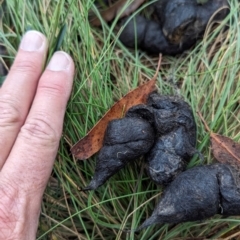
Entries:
{"x":30,"y":162}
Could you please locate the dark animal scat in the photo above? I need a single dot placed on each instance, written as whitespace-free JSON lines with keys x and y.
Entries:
{"x":229,"y":185}
{"x":170,"y":112}
{"x":188,"y":18}
{"x":175,"y":130}
{"x":197,"y":194}
{"x":141,"y":111}
{"x":127,"y":130}
{"x":168,"y":156}
{"x":180,"y":24}
{"x":164,"y":130}
{"x":148,"y":35}
{"x":125,"y":139}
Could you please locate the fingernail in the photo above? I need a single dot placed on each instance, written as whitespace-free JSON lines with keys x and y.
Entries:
{"x":60,"y":61}
{"x":32,"y":41}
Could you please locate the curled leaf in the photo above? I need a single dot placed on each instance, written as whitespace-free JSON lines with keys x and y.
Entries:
{"x":224,"y":149}
{"x":93,"y":141}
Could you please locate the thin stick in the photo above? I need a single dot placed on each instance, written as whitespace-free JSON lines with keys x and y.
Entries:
{"x":158,"y":67}
{"x":204,"y":122}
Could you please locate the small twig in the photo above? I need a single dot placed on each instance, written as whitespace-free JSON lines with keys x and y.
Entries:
{"x":158,"y":67}
{"x":204,"y":122}
{"x":119,"y":8}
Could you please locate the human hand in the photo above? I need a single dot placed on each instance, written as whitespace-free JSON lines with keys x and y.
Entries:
{"x":32,"y":107}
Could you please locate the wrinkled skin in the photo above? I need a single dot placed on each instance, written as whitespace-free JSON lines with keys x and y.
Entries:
{"x":181,"y":23}
{"x":125,"y":140}
{"x":197,"y":194}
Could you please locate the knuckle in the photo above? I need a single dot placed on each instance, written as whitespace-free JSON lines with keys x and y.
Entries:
{"x":26,"y":66}
{"x":39,"y":130}
{"x":9,"y":111}
{"x":53,"y":88}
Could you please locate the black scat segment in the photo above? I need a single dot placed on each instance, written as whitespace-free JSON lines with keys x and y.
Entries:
{"x":170,"y":113}
{"x":185,"y":21}
{"x":127,"y":130}
{"x":169,"y":155}
{"x":197,"y":194}
{"x":163,"y":101}
{"x":230,"y":190}
{"x":176,"y":16}
{"x":193,"y":195}
{"x":134,"y":31}
{"x":175,"y":128}
{"x":154,"y":41}
{"x":147,"y":35}
{"x":183,"y":143}
{"x":180,"y":24}
{"x":141,"y":111}
{"x":163,"y":164}
{"x":175,"y":131}
{"x":125,"y":139}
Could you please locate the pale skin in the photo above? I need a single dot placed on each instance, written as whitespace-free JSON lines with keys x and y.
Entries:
{"x":32,"y":106}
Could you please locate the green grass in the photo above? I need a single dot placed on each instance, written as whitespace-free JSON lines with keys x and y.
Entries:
{"x":207,"y":76}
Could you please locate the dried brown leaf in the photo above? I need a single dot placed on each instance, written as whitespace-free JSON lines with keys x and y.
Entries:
{"x":93,"y":141}
{"x":111,"y":12}
{"x":224,"y":149}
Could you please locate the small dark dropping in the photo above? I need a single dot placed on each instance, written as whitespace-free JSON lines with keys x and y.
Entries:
{"x":175,"y":135}
{"x":175,"y":140}
{"x":197,"y":194}
{"x":163,"y":130}
{"x":179,"y":24}
{"x":125,"y":139}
